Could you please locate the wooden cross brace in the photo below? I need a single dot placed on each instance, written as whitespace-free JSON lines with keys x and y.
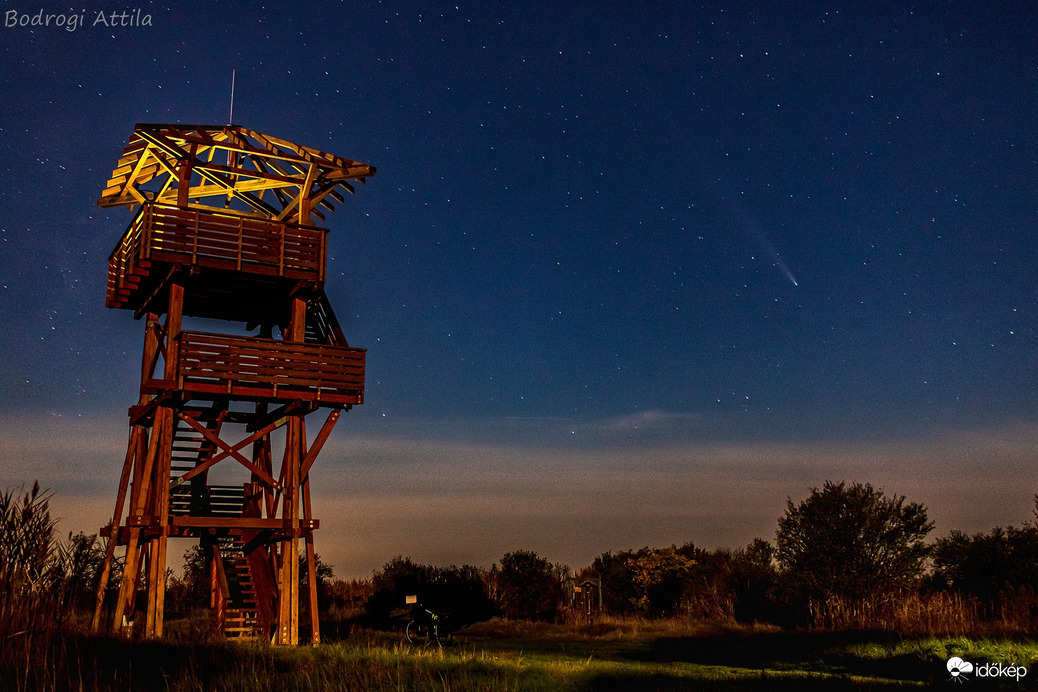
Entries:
{"x":233,"y":451}
{"x":228,"y":451}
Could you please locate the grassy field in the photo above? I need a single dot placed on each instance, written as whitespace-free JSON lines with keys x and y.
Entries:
{"x":501,"y":655}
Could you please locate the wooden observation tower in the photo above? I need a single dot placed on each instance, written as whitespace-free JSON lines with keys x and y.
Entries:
{"x":218,"y":447}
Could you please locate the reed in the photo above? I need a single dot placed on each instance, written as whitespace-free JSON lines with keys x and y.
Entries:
{"x":932,"y":614}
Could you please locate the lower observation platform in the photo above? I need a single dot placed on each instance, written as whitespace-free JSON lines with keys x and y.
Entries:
{"x":217,"y":366}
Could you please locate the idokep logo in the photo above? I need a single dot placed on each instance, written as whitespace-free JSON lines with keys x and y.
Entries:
{"x":959,"y":670}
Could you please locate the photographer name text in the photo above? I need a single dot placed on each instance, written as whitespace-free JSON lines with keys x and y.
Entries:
{"x":72,"y":21}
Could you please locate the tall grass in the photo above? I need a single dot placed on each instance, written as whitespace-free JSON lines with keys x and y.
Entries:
{"x":28,"y":566}
{"x":571,"y":661}
{"x":45,"y":587}
{"x":509,"y":655}
{"x":933,"y":614}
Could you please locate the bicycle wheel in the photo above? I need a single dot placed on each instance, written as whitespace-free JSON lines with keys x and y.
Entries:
{"x":421,"y":634}
{"x":414,"y":637}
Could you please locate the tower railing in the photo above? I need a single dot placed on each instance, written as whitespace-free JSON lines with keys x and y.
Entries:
{"x":212,"y":239}
{"x":265,"y":369}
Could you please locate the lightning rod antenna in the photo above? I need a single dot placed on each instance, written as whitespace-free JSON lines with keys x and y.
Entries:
{"x":231,"y":119}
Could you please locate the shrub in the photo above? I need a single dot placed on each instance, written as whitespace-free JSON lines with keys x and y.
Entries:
{"x":755,"y":586}
{"x":999,"y":569}
{"x":851,"y":545}
{"x":456,"y":591}
{"x":528,"y":587}
{"x":661,"y":582}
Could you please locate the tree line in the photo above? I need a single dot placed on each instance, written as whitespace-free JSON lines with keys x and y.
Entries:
{"x":846,"y":556}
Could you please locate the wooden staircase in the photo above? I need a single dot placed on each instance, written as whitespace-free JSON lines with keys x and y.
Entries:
{"x":241,"y":613}
{"x":240,"y":616}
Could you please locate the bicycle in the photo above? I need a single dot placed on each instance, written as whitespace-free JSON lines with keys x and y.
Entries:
{"x":426,"y":627}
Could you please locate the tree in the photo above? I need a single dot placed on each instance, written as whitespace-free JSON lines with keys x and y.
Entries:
{"x":620,"y":594}
{"x":457,"y":592}
{"x":852,"y":543}
{"x":993,"y":567}
{"x":669,"y":579}
{"x":755,"y":584}
{"x":398,"y":578}
{"x":529,"y":588}
{"x":661,"y":582}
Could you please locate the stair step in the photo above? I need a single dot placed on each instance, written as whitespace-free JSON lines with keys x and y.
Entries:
{"x":241,"y":623}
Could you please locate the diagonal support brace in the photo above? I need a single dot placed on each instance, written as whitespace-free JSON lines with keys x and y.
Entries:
{"x":228,"y":451}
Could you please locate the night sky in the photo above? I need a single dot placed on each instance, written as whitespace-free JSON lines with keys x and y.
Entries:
{"x":628,"y":274}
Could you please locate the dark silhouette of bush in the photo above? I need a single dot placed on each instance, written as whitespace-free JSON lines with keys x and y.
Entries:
{"x":757,"y":596}
{"x":189,"y":590}
{"x":82,"y":558}
{"x":347,"y":600}
{"x":851,"y":546}
{"x":457,"y":592}
{"x":529,"y":588}
{"x":324,"y":573}
{"x":996,"y":568}
{"x":660,"y":582}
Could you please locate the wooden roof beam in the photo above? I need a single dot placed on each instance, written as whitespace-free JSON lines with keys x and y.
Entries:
{"x":302,"y":180}
{"x":249,"y":199}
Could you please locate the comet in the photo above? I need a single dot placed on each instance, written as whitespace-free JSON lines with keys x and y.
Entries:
{"x":752,"y":228}
{"x":741,"y":217}
{"x":785,"y":269}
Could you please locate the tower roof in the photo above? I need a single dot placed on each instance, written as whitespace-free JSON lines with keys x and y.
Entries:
{"x":229,"y":167}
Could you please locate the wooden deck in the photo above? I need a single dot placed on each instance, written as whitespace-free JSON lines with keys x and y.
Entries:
{"x":160,"y":237}
{"x":212,"y":366}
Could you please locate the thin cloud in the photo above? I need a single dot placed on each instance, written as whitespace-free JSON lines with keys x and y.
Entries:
{"x":469,"y":500}
{"x":651,"y":422}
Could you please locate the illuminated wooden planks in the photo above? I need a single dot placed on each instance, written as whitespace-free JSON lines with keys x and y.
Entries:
{"x":216,"y":363}
{"x":231,"y":162}
{"x":160,"y":236}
